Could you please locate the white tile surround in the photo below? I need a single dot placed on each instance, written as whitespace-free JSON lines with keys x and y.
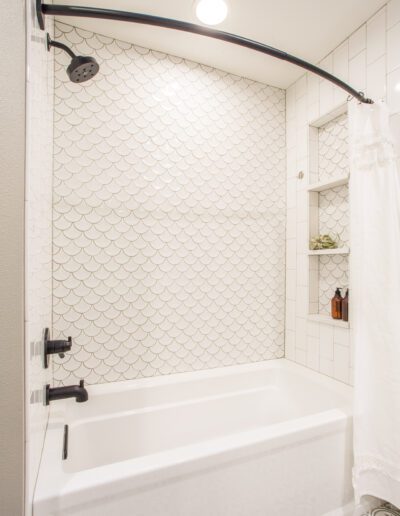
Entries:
{"x":169,"y":215}
{"x":38,"y":252}
{"x":369,"y":60}
{"x":147,"y":305}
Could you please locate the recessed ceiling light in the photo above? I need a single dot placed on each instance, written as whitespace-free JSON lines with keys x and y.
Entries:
{"x":211,"y":12}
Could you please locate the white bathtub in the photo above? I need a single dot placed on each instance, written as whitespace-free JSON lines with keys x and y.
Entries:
{"x":267,"y":439}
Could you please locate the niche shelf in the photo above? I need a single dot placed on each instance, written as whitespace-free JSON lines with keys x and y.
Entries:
{"x":328,"y":211}
{"x":327,"y":252}
{"x":331,"y":183}
{"x":326,"y":319}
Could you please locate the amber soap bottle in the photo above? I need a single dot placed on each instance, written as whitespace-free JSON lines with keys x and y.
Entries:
{"x":345,"y":306}
{"x":336,"y":305}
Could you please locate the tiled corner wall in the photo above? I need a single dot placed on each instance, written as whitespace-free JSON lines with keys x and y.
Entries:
{"x":38,"y":230}
{"x":369,"y":60}
{"x":169,"y":215}
{"x":333,"y":148}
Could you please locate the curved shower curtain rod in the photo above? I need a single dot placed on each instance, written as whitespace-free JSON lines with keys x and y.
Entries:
{"x":43,"y":10}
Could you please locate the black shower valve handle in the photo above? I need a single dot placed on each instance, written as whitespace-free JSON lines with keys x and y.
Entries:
{"x":52,"y":347}
{"x":59,"y":346}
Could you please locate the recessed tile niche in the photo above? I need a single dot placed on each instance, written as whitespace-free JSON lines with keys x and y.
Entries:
{"x":328,"y":210}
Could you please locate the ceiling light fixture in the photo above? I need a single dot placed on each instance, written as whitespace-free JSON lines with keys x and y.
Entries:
{"x":211,"y":12}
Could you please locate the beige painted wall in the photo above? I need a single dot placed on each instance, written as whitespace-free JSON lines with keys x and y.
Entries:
{"x":12,"y":165}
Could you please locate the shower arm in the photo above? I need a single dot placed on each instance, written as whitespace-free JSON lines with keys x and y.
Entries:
{"x":43,"y":10}
{"x":57,"y":44}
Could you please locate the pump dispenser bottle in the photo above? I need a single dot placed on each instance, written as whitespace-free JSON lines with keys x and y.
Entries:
{"x":345,"y":306}
{"x":336,"y":305}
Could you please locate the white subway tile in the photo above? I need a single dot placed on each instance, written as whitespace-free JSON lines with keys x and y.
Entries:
{"x":291,"y":185}
{"x":376,"y":36}
{"x":312,"y":329}
{"x":302,"y":166}
{"x":326,"y":366}
{"x":301,"y":301}
{"x":327,"y":64}
{"x":339,"y":96}
{"x":393,"y":48}
{"x":302,"y":140}
{"x":291,"y":133}
{"x":351,"y":352}
{"x":314,"y":285}
{"x":291,"y":284}
{"x":351,"y":376}
{"x":393,"y":13}
{"x":291,"y":315}
{"x":291,"y":162}
{"x":291,"y":223}
{"x":326,"y":341}
{"x":358,"y":41}
{"x":393,"y":91}
{"x":290,"y":344}
{"x":341,"y":61}
{"x":358,"y":71}
{"x":313,"y":353}
{"x":301,"y":87}
{"x":326,"y":349}
{"x":314,"y":261}
{"x":376,"y":79}
{"x":312,"y":89}
{"x":341,"y":336}
{"x":341,"y":363}
{"x":301,"y":112}
{"x":302,"y":237}
{"x":302,"y":206}
{"x":395,"y":127}
{"x":291,"y":254}
{"x":301,"y":356}
{"x":301,"y":333}
{"x":291,"y":103}
{"x":313,"y":109}
{"x":302,"y":269}
{"x":326,"y":97}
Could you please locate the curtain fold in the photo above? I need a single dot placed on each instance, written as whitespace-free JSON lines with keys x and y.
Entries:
{"x":375,"y":303}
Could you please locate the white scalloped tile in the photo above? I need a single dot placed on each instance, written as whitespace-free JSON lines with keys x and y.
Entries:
{"x":169,"y":215}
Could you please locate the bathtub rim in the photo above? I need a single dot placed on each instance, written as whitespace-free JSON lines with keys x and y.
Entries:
{"x":277,"y":364}
{"x":66,"y":490}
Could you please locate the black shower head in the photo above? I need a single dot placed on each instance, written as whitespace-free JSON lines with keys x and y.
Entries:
{"x":82,"y":68}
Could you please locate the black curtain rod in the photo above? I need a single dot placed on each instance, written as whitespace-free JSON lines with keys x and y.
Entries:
{"x":167,"y":23}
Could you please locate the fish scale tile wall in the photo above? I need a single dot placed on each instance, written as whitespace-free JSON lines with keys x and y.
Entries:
{"x":169,"y":215}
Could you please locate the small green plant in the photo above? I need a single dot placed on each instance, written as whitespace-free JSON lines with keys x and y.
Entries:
{"x":322,"y":242}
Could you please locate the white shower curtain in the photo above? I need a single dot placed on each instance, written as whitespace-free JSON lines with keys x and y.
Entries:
{"x":375,"y":304}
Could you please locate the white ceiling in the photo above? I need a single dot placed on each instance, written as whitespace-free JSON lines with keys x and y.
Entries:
{"x":309,"y":29}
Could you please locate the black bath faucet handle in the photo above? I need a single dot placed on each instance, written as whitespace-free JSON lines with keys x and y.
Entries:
{"x":65,"y":345}
{"x":52,"y":347}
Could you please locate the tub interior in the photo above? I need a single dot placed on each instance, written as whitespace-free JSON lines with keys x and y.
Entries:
{"x":141,"y":418}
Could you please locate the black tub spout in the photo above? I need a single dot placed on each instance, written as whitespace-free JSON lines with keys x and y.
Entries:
{"x":71,"y":391}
